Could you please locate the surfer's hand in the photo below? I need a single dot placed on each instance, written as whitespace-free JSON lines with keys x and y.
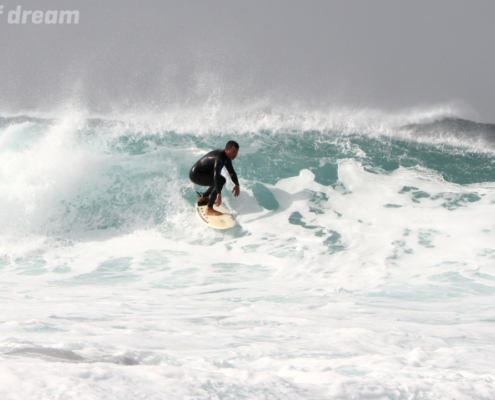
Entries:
{"x":236,"y":190}
{"x":219,"y":199}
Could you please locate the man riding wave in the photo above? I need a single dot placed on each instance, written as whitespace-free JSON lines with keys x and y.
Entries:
{"x":208,"y":172}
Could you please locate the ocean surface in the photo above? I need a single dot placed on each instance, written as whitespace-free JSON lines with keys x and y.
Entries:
{"x":362,"y":266}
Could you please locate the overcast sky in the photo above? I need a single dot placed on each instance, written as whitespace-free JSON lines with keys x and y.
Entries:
{"x":384,"y":54}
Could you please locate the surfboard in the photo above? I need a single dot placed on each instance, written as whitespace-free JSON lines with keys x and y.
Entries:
{"x":224,"y":221}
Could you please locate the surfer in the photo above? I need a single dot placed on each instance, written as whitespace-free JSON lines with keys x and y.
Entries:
{"x":208,"y":172}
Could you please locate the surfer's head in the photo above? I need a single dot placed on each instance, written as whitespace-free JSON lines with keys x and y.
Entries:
{"x":231,"y":149}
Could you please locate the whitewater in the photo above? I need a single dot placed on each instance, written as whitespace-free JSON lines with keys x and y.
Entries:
{"x":362,"y":266}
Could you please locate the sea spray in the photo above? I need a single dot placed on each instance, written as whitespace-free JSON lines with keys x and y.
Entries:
{"x":362,"y":266}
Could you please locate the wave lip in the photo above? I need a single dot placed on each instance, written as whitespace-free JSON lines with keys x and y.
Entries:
{"x":75,"y":177}
{"x":458,"y":128}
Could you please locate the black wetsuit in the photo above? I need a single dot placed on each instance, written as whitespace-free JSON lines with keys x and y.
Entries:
{"x":208,"y":172}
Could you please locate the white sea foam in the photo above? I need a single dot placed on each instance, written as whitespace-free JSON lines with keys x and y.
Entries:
{"x":378,"y":286}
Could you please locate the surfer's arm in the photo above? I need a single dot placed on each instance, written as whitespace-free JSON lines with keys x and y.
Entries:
{"x":236,"y":190}
{"x":233,"y":175}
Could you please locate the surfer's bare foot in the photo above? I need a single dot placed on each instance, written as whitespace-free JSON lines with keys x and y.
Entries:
{"x":211,"y":211}
{"x":202,"y":199}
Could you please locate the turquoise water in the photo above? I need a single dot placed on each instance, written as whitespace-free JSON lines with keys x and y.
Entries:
{"x":137,"y":173}
{"x":362,"y":265}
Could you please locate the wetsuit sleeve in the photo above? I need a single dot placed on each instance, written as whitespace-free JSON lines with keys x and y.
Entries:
{"x":230,"y":169}
{"x":217,"y":173}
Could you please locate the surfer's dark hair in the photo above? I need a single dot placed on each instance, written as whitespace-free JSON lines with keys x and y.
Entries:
{"x":232,"y":143}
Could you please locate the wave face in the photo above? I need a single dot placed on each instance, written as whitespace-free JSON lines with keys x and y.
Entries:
{"x":362,"y":265}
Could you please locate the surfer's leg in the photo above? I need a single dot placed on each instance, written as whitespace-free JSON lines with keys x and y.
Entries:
{"x":208,"y":192}
{"x":213,"y":193}
{"x":212,"y":198}
{"x":203,"y":196}
{"x":202,"y":180}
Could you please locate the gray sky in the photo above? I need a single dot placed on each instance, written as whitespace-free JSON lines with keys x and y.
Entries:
{"x":384,"y":54}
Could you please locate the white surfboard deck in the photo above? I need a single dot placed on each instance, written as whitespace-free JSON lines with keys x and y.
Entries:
{"x":224,"y":221}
